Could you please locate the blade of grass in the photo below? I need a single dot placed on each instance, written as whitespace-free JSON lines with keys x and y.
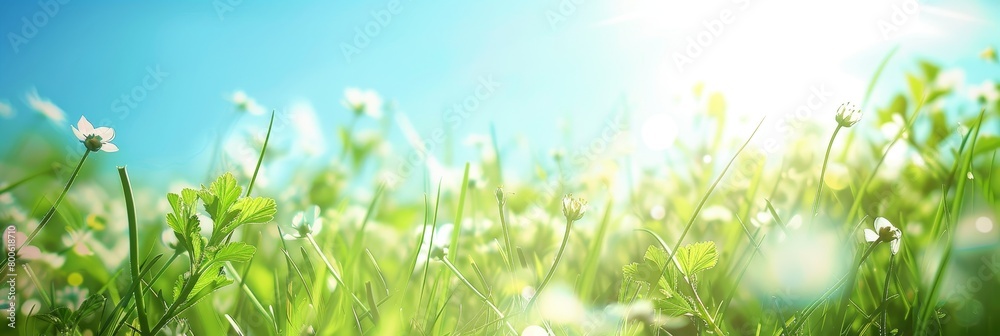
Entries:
{"x":430,"y":243}
{"x":260,"y":159}
{"x":453,"y":247}
{"x":704,"y":199}
{"x":133,"y":247}
{"x":594,"y":254}
{"x":955,"y":210}
{"x":298,"y":273}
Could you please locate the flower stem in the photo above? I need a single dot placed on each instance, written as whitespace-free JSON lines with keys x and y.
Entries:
{"x":52,"y":210}
{"x":478,"y":293}
{"x":133,"y":245}
{"x":703,"y":310}
{"x":885,"y":298}
{"x":506,"y":235}
{"x":822,"y":172}
{"x":181,"y":299}
{"x":555,"y":263}
{"x":333,"y":271}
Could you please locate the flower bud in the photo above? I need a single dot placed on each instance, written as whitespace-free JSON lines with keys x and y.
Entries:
{"x":501,"y":196}
{"x":574,"y":208}
{"x":93,"y":143}
{"x":848,"y":114}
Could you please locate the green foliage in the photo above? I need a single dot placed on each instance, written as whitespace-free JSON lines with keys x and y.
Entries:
{"x":65,"y":320}
{"x":657,"y":269}
{"x":697,"y":257}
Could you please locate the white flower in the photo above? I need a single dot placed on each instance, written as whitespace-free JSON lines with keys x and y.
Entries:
{"x":949,"y":79}
{"x":985,"y":92}
{"x":363,"y":102}
{"x":848,"y":114}
{"x":306,"y":222}
{"x":95,"y":138}
{"x":46,"y":107}
{"x":246,"y":104}
{"x":438,"y":247}
{"x":885,"y":232}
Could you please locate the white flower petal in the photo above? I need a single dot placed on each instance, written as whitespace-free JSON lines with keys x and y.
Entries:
{"x":880,"y":223}
{"x":894,"y":246}
{"x":239,"y":97}
{"x":297,"y":220}
{"x":85,"y":126}
{"x":106,"y":133}
{"x":109,"y":147}
{"x":79,"y":135}
{"x":870,"y":236}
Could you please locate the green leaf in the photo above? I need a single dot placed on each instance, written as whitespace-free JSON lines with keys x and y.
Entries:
{"x":254,"y":210}
{"x":697,"y":257}
{"x":209,"y":282}
{"x":916,"y":86}
{"x":235,"y":252}
{"x":220,"y":196}
{"x":197,"y":246}
{"x":651,"y":268}
{"x":60,"y":318}
{"x":90,"y":305}
{"x":675,"y":305}
{"x":930,"y":70}
{"x":178,"y":286}
{"x":183,"y":220}
{"x":987,"y":144}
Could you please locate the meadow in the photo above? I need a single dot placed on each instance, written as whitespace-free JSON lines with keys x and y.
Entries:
{"x":878,"y":217}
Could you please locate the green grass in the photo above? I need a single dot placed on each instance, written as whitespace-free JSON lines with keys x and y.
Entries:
{"x":755,"y":245}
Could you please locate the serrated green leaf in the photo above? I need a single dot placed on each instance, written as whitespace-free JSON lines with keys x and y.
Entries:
{"x":59,"y":318}
{"x":697,"y":257}
{"x":675,"y":305}
{"x":175,"y":202}
{"x":255,"y":210}
{"x":222,"y":226}
{"x":651,"y":269}
{"x":88,"y":307}
{"x":630,"y":271}
{"x":234,"y":252}
{"x":178,"y":285}
{"x":197,"y":246}
{"x":208,"y":283}
{"x":220,"y":196}
{"x":656,"y":255}
{"x":189,"y":196}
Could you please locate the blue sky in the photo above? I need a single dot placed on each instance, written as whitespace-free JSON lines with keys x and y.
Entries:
{"x":554,"y":60}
